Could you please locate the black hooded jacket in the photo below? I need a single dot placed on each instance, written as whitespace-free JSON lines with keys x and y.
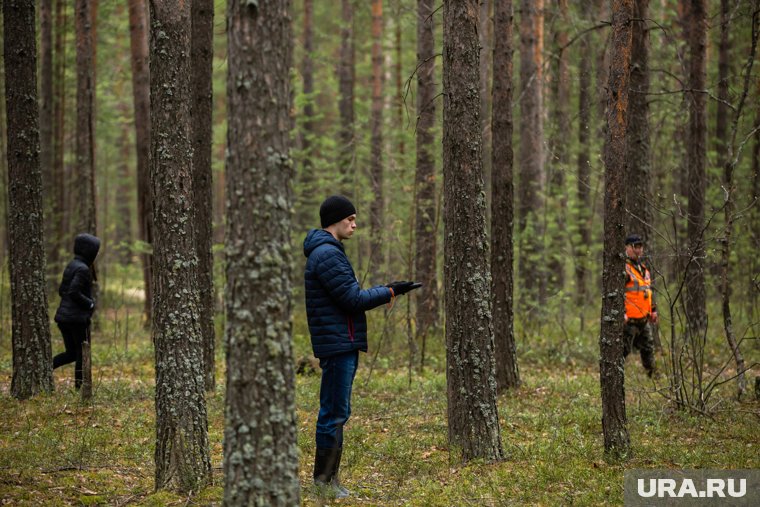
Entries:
{"x":77,"y":304}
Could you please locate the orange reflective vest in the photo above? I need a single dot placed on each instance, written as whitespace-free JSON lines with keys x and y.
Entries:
{"x":638,"y":291}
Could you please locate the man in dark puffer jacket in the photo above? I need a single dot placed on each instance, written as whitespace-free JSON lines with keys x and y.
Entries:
{"x":74,"y":312}
{"x":335,"y":306}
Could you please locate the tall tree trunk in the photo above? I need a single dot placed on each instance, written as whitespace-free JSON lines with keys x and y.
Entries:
{"x":138,"y":36}
{"x":260,"y":444}
{"x":202,"y":41}
{"x":696,"y":306}
{"x":754,"y":282}
{"x":307,"y":198}
{"x":346,"y":100}
{"x":182,"y":448}
{"x":85,"y":212}
{"x":638,"y":178}
{"x":584,"y":211}
{"x":398,"y":64}
{"x":124,"y":184}
{"x":46,"y":126}
{"x":470,"y":370}
{"x":559,"y":156}
{"x":30,"y":333}
{"x":486,"y":38}
{"x":612,"y":363}
{"x":531,"y":156}
{"x":502,"y":201}
{"x":721,"y":116}
{"x":425,"y":180}
{"x":377,"y":223}
{"x":59,"y":113}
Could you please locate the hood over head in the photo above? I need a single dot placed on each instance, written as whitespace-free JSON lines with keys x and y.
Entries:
{"x":86,"y":246}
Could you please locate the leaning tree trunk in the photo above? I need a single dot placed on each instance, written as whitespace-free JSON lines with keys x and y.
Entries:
{"x":470,"y":369}
{"x":425,"y":223}
{"x":346,"y":98}
{"x":731,"y":160}
{"x":696,"y":304}
{"x":502,"y":201}
{"x":260,"y":437}
{"x":138,"y":33}
{"x":30,"y":333}
{"x":85,"y":141}
{"x":377,"y":224}
{"x":202,"y":56}
{"x":612,"y":363}
{"x":182,"y":448}
{"x":531,"y":155}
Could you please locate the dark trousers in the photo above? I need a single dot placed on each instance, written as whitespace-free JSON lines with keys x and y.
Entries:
{"x":638,"y":335}
{"x":74,"y":335}
{"x":338,"y":374}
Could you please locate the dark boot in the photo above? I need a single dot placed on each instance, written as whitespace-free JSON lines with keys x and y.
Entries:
{"x":326,"y":462}
{"x":336,"y":473}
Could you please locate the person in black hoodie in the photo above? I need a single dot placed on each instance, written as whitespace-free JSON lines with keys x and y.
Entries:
{"x":77,"y":304}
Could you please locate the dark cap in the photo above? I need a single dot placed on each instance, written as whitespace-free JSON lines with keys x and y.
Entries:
{"x":634,"y":239}
{"x":334,"y":209}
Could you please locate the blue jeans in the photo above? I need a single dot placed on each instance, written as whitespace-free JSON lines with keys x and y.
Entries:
{"x":338,"y":374}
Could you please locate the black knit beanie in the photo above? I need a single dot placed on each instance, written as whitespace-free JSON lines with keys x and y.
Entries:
{"x":334,"y":209}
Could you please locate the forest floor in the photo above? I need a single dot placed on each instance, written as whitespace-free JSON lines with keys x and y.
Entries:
{"x":56,"y":450}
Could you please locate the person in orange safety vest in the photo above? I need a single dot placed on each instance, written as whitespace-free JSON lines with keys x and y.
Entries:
{"x":640,"y":309}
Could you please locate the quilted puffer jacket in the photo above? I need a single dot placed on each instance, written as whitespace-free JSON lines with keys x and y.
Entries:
{"x":77,"y":304}
{"x":335,"y":303}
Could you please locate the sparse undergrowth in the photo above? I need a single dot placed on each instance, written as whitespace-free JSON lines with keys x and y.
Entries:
{"x":56,"y":451}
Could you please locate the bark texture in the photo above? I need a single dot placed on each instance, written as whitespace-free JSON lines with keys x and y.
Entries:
{"x":531,"y":154}
{"x":346,"y":98}
{"x":182,"y":448}
{"x":696,"y":304}
{"x":30,"y":333}
{"x":584,"y":211}
{"x":84,"y":212}
{"x":202,"y":56}
{"x":377,"y":207}
{"x":138,"y":37}
{"x":611,"y":362}
{"x":502,"y":201}
{"x":470,"y":370}
{"x":260,"y":447}
{"x":425,"y":180}
{"x":46,"y":122}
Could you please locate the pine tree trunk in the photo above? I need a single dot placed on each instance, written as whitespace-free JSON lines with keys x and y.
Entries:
{"x":138,"y":36}
{"x":182,"y":448}
{"x":696,"y":306}
{"x":486,"y":37}
{"x":754,"y":282}
{"x":612,"y":363}
{"x":260,"y":438}
{"x":584,"y":213}
{"x":59,"y":113}
{"x":124,"y":183}
{"x":85,"y":155}
{"x":502,"y":201}
{"x":202,"y":41}
{"x":377,"y":222}
{"x":307,"y":197}
{"x":346,"y":100}
{"x":425,"y":179}
{"x":398,"y":71}
{"x":46,"y":126}
{"x":721,"y":116}
{"x":556,"y":208}
{"x":470,"y":370}
{"x":638,"y":178}
{"x":30,"y":333}
{"x":531,"y":155}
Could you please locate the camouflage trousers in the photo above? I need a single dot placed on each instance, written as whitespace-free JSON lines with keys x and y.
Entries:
{"x":637,"y":334}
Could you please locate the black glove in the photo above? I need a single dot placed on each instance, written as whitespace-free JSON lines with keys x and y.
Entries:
{"x":402,"y":287}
